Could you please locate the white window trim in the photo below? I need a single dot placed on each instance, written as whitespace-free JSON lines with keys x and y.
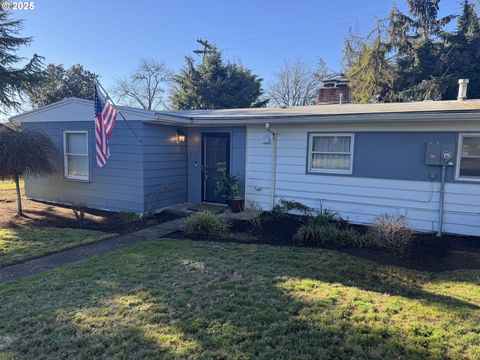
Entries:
{"x":330,"y":171}
{"x":65,"y":157}
{"x":459,"y":158}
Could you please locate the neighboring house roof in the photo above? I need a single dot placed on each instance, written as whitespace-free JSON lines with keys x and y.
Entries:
{"x":410,"y":111}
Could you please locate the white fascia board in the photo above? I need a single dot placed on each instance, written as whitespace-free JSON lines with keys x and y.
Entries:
{"x":351,"y":118}
{"x":74,"y":109}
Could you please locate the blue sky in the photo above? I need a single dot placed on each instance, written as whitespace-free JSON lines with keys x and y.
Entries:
{"x":109,"y":37}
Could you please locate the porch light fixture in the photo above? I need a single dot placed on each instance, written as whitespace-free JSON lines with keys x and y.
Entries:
{"x":180,"y":136}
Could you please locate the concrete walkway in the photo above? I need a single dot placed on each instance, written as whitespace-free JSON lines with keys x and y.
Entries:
{"x":34,"y":266}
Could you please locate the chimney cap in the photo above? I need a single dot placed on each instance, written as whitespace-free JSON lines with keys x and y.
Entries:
{"x":463,"y":81}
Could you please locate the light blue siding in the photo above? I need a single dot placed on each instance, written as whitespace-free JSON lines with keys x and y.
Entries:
{"x":137,"y":176}
{"x":164,"y":167}
{"x":237,"y":157}
{"x":117,"y":186}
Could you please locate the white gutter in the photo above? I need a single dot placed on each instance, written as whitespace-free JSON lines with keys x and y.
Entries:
{"x":406,"y":117}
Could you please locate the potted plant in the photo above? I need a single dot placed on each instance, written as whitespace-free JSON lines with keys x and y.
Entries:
{"x":228,"y":188}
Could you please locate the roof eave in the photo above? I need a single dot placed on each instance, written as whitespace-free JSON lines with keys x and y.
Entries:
{"x":418,"y":116}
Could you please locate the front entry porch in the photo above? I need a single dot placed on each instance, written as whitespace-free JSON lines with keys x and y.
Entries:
{"x":210,"y":151}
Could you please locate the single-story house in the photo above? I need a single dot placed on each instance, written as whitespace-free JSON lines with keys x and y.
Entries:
{"x":359,"y":160}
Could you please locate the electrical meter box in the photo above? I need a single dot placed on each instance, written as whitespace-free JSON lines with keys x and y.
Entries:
{"x":438,"y":154}
{"x":434,"y":149}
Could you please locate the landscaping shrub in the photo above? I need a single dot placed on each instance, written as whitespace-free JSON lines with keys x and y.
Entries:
{"x":324,"y":230}
{"x":130,"y":220}
{"x":253,"y":212}
{"x":227,"y":185}
{"x":79,"y":211}
{"x":351,"y":238}
{"x":392,"y":232}
{"x":325,"y":216}
{"x":206,"y":224}
{"x":129,"y":217}
{"x":283,"y":207}
{"x":313,"y":233}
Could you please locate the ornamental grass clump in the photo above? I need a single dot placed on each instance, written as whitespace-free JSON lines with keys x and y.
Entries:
{"x":207,"y":225}
{"x":392,"y":232}
{"x":253,"y":212}
{"x":327,"y":227}
{"x":315,"y":233}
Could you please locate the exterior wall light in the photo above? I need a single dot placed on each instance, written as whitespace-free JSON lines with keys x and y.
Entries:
{"x":180,"y":136}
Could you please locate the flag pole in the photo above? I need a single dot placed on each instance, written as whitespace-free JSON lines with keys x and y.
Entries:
{"x":139,"y":139}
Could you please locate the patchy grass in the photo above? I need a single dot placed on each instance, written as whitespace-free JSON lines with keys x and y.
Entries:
{"x":204,"y":300}
{"x":9,"y":185}
{"x":18,"y":244}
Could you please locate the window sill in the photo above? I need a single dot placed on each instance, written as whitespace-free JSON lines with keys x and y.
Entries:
{"x":329,"y":172}
{"x":77,"y":179}
{"x":467,"y":180}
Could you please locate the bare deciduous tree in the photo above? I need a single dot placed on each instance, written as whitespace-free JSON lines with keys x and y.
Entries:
{"x":146,"y":86}
{"x":297,"y":83}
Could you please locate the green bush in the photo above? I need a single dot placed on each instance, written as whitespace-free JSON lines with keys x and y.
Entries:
{"x":129,"y":217}
{"x":312,"y":233}
{"x":351,"y":238}
{"x":325,"y":216}
{"x":317,"y":231}
{"x":283,"y":207}
{"x":206,"y":224}
{"x":227,"y":185}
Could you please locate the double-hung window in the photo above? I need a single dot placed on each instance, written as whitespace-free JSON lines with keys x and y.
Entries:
{"x":330,"y":153}
{"x":468,"y":158}
{"x":75,"y":155}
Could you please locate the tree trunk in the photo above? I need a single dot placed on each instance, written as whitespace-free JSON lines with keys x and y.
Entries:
{"x":19,"y":197}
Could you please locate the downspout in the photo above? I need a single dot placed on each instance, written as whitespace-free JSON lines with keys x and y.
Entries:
{"x":442,"y":199}
{"x":446,"y":158}
{"x":274,"y":164}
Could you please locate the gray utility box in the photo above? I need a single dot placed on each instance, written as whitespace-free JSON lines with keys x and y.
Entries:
{"x":434,"y":152}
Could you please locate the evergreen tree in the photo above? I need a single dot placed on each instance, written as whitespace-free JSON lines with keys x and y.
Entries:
{"x":423,"y":25}
{"x":14,"y":81}
{"x":415,"y":58}
{"x":58,"y":83}
{"x":213,"y":84}
{"x":417,"y":46}
{"x":462,"y":58}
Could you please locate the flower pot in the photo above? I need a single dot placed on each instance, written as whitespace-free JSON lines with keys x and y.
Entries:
{"x":236,"y":204}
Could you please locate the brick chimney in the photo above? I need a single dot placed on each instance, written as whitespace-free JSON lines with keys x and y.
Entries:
{"x":335,"y":90}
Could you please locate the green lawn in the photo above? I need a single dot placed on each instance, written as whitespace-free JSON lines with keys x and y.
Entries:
{"x":201,"y":300}
{"x":18,"y":244}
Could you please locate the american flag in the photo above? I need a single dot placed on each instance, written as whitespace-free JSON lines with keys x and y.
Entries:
{"x":105,"y":116}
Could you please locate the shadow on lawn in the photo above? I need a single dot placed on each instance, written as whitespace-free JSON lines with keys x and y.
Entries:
{"x":98,"y":221}
{"x":208,"y":301}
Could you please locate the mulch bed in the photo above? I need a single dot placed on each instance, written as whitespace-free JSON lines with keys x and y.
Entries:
{"x":106,"y":221}
{"x":429,"y":253}
{"x":40,"y":214}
